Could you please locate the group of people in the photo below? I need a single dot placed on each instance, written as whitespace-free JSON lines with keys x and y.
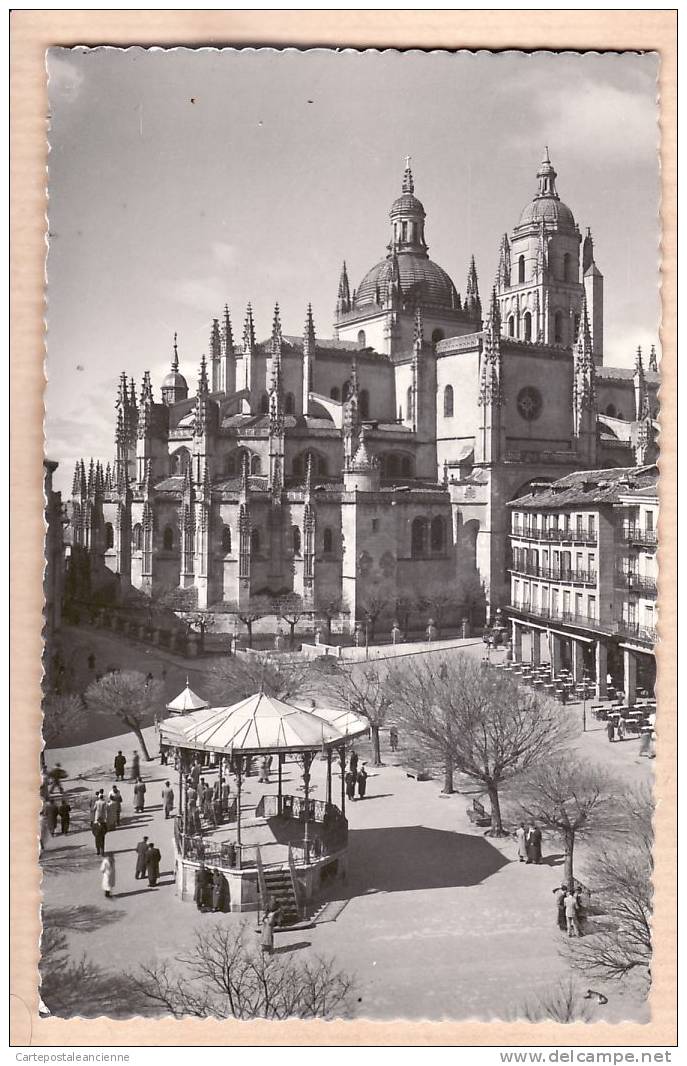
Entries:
{"x":568,"y":909}
{"x":209,"y":890}
{"x":356,"y":777}
{"x":106,"y":815}
{"x":147,"y":861}
{"x":203,"y":801}
{"x":529,"y":843}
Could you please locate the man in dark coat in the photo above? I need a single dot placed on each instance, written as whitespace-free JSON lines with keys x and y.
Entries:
{"x":533,"y":844}
{"x":135,"y":766}
{"x":362,"y":782}
{"x":200,"y":887}
{"x":350,"y":785}
{"x":119,"y":764}
{"x":99,"y":829}
{"x":50,"y":811}
{"x":354,"y":763}
{"x":141,"y":853}
{"x":139,"y":795}
{"x":153,"y":864}
{"x":217,"y":890}
{"x":64,"y":811}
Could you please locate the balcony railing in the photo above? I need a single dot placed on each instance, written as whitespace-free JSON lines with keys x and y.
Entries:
{"x":579,"y":577}
{"x":625,"y":579}
{"x":639,"y":535}
{"x":614,"y":627}
{"x":556,"y":536}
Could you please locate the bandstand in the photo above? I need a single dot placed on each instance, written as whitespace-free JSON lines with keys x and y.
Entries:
{"x":284,"y":845}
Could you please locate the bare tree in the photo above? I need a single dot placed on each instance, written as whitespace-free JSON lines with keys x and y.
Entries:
{"x":437,"y":598}
{"x":574,"y":799}
{"x":621,"y":875}
{"x":364,"y":691}
{"x":184,"y":603}
{"x":128,"y":696}
{"x":71,"y":987}
{"x":480,"y":722}
{"x":329,"y":608}
{"x":375,"y":600}
{"x":404,"y":602}
{"x":286,"y":679}
{"x":252,"y":611}
{"x":563,"y":1002}
{"x":291,"y":608}
{"x":62,"y":715}
{"x":224,"y":977}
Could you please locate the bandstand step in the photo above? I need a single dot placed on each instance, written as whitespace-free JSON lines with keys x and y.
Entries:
{"x":279,"y":887}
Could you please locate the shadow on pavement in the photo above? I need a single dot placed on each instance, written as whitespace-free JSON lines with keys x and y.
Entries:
{"x":84,"y":918}
{"x":286,"y":948}
{"x":414,"y":857}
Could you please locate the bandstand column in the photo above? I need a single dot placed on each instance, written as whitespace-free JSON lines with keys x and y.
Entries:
{"x":329,"y":775}
{"x":342,"y":761}
{"x":280,"y":763}
{"x":307,"y":759}
{"x":239,"y":776}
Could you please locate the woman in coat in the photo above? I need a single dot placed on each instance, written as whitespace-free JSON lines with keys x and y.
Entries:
{"x":139,"y":795}
{"x":362,"y":782}
{"x":217,"y":890}
{"x":111,"y":814}
{"x":269,"y":921}
{"x":152,"y":864}
{"x":521,"y":837}
{"x":107,"y":869}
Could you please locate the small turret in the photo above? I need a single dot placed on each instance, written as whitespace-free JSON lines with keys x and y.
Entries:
{"x":653,"y":361}
{"x":343,"y":299}
{"x":309,"y":344}
{"x":216,"y":356}
{"x":174,"y":386}
{"x":248,"y":348}
{"x":472,"y":305}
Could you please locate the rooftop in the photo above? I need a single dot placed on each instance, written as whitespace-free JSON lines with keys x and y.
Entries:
{"x":589,"y":487}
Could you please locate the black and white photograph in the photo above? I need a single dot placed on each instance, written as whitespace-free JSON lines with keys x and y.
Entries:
{"x":352,"y":422}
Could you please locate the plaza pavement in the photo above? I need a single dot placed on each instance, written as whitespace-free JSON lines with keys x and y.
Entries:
{"x":435,"y":920}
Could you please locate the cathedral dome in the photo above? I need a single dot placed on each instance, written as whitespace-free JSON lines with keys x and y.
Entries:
{"x":422,"y":281}
{"x":174,"y":380}
{"x":547,"y":205}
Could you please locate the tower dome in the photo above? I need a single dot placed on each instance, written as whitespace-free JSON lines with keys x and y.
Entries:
{"x":407,"y":273}
{"x":547,"y":205}
{"x":174,"y":384}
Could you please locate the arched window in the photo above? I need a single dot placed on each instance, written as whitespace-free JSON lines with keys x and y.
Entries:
{"x":289,"y":404}
{"x":567,"y":267}
{"x":137,"y":537}
{"x":448,"y":401}
{"x":255,"y":542}
{"x":364,"y":403}
{"x":256,"y":465}
{"x":558,"y":327}
{"x":610,"y":410}
{"x":511,"y":326}
{"x":527,"y":322}
{"x":296,"y":540}
{"x":180,"y":461}
{"x":264,"y":403}
{"x":346,"y":391}
{"x":521,"y":270}
{"x":226,"y":540}
{"x":109,"y":535}
{"x":168,"y":539}
{"x":327,"y":541}
{"x":334,"y":394}
{"x":361,"y":338}
{"x":437,"y":535}
{"x":391,"y":466}
{"x":406,"y":466}
{"x":418,"y":538}
{"x":437,"y":335}
{"x":409,"y":403}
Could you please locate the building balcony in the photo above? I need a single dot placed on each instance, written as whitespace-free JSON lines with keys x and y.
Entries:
{"x":612,"y":627}
{"x":625,"y":579}
{"x":556,"y":536}
{"x":570,"y":577}
{"x":638,"y":535}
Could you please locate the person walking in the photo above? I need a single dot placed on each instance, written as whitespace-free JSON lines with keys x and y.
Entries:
{"x":195,"y":775}
{"x":533,"y":844}
{"x":610,"y":730}
{"x":200,"y":886}
{"x":153,"y":864}
{"x":350,"y":785}
{"x":167,"y":799}
{"x":362,"y":782}
{"x":99,"y":830}
{"x":116,"y":798}
{"x":559,"y":895}
{"x":570,"y":907}
{"x":107,"y":869}
{"x":139,"y":796}
{"x":64,"y":811}
{"x":269,"y":920}
{"x":353,"y":766}
{"x":521,"y":837}
{"x":100,"y":808}
{"x":135,"y":766}
{"x":111,"y":809}
{"x":119,"y":765}
{"x":622,"y":728}
{"x":393,"y":738}
{"x":141,"y":853}
{"x":50,"y":811}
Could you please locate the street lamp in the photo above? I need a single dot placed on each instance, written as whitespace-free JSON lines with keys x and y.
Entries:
{"x":585,"y":697}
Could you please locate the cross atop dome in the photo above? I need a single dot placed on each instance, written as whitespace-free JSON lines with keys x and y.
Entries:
{"x":408,"y":184}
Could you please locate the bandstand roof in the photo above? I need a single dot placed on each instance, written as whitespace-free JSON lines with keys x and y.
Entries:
{"x":347,"y":722}
{"x":187,"y":701}
{"x":258,"y":723}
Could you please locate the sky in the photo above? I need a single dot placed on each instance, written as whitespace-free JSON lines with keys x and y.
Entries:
{"x":180,"y":180}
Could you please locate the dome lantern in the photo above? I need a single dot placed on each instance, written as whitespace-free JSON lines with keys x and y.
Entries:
{"x":174,"y":385}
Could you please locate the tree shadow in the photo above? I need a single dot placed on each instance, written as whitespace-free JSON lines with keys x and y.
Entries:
{"x":84,"y":918}
{"x":286,"y":948}
{"x":553,"y":860}
{"x":415,"y":857}
{"x":374,"y":796}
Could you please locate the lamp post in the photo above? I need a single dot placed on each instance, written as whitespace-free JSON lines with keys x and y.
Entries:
{"x":585,"y":697}
{"x":367,"y":638}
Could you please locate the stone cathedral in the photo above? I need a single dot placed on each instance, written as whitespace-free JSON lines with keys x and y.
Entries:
{"x":387,"y":453}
